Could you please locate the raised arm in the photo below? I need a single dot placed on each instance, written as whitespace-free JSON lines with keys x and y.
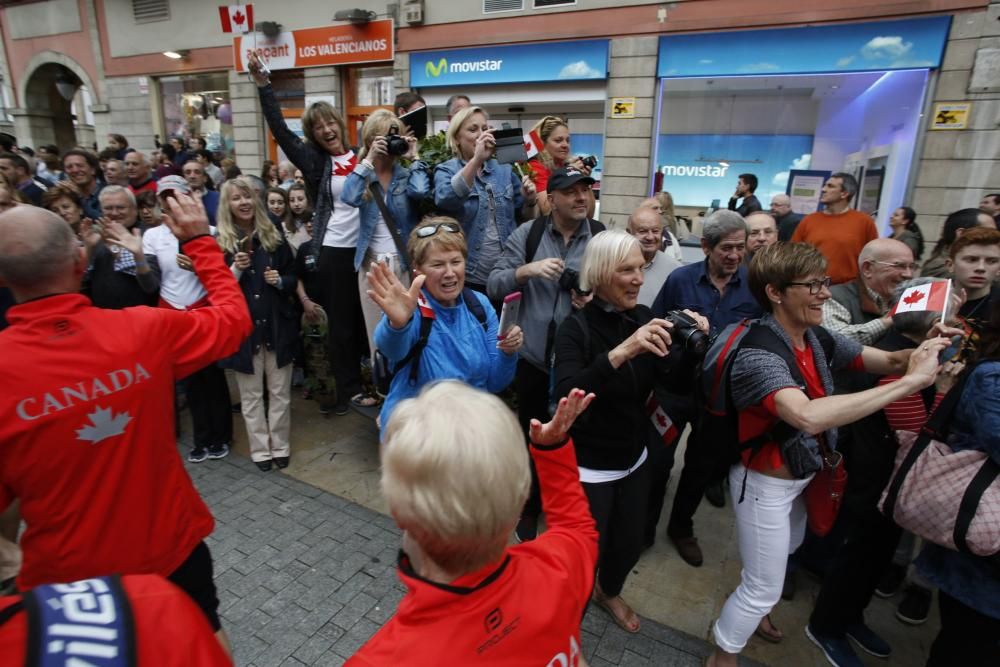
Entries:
{"x":297,"y":151}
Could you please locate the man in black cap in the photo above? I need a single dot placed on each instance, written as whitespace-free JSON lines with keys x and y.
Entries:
{"x":542,"y":260}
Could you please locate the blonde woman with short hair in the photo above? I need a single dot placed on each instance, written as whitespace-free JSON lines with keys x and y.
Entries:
{"x":615,"y":348}
{"x":487,"y":198}
{"x":262,"y":262}
{"x":455,"y":476}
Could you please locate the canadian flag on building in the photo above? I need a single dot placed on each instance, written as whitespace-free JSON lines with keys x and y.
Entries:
{"x":236,"y":18}
{"x":533,"y":144}
{"x":929,"y":297}
{"x":664,"y":425}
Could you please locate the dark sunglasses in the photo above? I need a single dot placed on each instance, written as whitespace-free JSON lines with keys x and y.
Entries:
{"x":431,"y":230}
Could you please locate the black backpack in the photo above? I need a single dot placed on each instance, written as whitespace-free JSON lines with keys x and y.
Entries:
{"x":718,"y":419}
{"x":538,"y":229}
{"x":383,"y":372}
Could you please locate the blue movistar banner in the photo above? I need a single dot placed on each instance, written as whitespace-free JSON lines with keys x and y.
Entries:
{"x":847,"y":47}
{"x":553,"y":61}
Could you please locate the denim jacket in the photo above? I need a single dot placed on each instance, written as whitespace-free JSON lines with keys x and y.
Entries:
{"x":407,"y":188}
{"x":470,"y":206}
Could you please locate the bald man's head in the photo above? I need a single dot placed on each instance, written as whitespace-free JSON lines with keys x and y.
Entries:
{"x":763,"y":231}
{"x":646,"y":225}
{"x":38,"y":253}
{"x":884,"y":264}
{"x":781,"y":205}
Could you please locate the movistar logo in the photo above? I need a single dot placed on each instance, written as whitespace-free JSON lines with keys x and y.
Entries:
{"x":435,"y":71}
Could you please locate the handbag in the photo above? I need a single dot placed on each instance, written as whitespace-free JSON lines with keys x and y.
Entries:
{"x":946,"y":497}
{"x":825,"y":492}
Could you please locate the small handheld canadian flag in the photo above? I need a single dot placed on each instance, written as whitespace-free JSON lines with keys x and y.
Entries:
{"x":236,"y":18}
{"x":533,"y":144}
{"x":927,"y":297}
{"x":661,"y":421}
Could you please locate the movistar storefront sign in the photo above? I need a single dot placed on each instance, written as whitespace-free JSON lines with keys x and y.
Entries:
{"x":552,"y":61}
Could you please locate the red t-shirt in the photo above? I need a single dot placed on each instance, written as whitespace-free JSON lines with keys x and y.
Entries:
{"x":758,"y":418}
{"x":540,"y":174}
{"x":87,"y":427}
{"x":523,"y":610}
{"x":170,"y":630}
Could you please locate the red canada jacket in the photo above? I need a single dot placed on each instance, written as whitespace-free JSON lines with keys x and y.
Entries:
{"x":87,"y":427}
{"x":524,"y":609}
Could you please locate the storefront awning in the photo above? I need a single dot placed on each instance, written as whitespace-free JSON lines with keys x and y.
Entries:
{"x":848,"y":47}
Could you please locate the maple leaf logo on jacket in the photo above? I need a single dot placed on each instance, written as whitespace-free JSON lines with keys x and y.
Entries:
{"x":102,"y":426}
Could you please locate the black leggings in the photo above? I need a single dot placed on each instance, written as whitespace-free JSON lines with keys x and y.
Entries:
{"x":619,"y":509}
{"x":209,"y":402}
{"x":342,"y":302}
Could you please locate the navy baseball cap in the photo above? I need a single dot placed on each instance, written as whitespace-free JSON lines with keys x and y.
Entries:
{"x":560,"y":179}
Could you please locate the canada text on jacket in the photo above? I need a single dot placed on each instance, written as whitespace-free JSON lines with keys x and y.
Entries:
{"x":35,"y":407}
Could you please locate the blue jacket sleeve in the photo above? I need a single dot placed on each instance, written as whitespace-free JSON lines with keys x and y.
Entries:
{"x":982,"y":398}
{"x":355,"y":185}
{"x":518,"y":191}
{"x":502,"y":365}
{"x":418,"y":187}
{"x":396,"y":343}
{"x":446,"y":197}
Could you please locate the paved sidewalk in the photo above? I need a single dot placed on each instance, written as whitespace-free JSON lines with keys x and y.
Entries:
{"x":306,"y":577}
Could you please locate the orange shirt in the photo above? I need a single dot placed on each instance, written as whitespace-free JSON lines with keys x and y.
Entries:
{"x":840,"y":237}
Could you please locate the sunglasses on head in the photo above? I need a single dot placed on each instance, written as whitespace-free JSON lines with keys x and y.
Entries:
{"x":431,"y":230}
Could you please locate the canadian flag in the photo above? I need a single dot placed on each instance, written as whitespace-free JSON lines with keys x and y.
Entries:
{"x":928,"y":297}
{"x":533,"y":144}
{"x":236,"y":18}
{"x":664,"y":425}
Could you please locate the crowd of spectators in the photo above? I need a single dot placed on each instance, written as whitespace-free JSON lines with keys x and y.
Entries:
{"x":334,"y":269}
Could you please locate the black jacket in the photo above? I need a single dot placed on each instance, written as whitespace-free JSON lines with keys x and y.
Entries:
{"x":610,"y":435}
{"x":276,"y":321}
{"x":115,"y":290}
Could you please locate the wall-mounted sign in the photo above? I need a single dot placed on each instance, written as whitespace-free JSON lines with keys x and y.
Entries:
{"x":845,"y":47}
{"x":623,"y":107}
{"x":523,"y":63}
{"x":951,"y":115}
{"x":341,"y":44}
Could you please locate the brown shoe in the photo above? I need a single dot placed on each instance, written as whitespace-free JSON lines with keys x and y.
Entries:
{"x":689,"y":550}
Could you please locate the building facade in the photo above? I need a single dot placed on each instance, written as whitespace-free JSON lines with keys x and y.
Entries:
{"x":683,"y":96}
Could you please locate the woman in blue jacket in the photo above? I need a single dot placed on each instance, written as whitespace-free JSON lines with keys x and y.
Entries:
{"x":489,"y":199}
{"x":458,"y":347}
{"x":401,"y":190}
{"x":969,"y":587}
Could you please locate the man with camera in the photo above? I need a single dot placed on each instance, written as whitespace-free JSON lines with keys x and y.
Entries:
{"x":542,"y":259}
{"x":717,"y":289}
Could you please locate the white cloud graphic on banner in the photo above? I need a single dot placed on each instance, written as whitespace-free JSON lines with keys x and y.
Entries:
{"x":580,"y":70}
{"x":801,"y":162}
{"x":884,"y":47}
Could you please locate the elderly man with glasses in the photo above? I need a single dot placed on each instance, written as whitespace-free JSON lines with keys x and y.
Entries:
{"x":859,"y":309}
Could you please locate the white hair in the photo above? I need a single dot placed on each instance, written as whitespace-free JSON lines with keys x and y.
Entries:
{"x":455,"y":473}
{"x":605,"y":253}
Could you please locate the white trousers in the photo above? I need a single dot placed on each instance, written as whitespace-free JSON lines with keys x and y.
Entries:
{"x":369,"y":309}
{"x":269,"y":436}
{"x":770,"y":524}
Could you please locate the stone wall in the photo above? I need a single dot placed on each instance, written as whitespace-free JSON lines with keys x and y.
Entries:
{"x":959,"y":166}
{"x":130,"y":112}
{"x":628,"y":144}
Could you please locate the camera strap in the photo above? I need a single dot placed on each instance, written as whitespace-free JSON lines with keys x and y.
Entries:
{"x":378,"y":194}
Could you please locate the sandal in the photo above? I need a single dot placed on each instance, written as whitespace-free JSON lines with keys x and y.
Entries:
{"x":629,"y":624}
{"x":774,"y":635}
{"x":364,"y":401}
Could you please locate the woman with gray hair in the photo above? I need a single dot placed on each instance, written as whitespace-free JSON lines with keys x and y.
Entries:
{"x":782,"y":387}
{"x":615,"y":348}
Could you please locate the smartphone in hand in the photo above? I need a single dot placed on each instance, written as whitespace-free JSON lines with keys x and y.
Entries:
{"x":508,"y":314}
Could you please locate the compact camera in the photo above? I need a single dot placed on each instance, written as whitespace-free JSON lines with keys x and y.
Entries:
{"x":589,"y":161}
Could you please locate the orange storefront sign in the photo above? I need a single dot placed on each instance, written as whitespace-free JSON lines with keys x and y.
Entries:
{"x":342,"y":44}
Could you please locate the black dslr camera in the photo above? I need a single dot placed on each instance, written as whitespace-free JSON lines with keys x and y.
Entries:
{"x":395,"y":144}
{"x":687,"y":334}
{"x":570,"y":281}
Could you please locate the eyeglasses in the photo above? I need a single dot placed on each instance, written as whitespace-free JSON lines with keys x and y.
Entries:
{"x":900,"y":266}
{"x":431,"y":230}
{"x":815,"y":286}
